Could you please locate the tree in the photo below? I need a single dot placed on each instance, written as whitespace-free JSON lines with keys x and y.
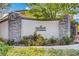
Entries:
{"x":52,"y":11}
{"x":3,"y":8}
{"x":3,"y":5}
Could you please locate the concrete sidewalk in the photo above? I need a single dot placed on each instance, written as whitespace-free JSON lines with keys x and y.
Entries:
{"x":74,"y":46}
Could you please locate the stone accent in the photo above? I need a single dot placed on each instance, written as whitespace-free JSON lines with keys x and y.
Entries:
{"x":14,"y":27}
{"x":64,"y":27}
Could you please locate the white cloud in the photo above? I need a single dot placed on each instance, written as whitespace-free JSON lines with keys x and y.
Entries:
{"x":27,"y":8}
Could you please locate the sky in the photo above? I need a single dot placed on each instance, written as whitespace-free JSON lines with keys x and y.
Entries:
{"x":18,"y":6}
{"x":76,"y":17}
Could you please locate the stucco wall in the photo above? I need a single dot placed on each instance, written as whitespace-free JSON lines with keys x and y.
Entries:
{"x":4,"y":30}
{"x":29,"y":27}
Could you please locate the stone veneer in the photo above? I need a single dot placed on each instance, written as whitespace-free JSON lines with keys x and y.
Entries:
{"x":64,"y":27}
{"x":14,"y":27}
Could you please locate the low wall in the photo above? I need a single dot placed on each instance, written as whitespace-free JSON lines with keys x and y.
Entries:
{"x":17,"y":26}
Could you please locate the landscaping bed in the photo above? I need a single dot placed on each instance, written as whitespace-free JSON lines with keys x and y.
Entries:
{"x":39,"y":40}
{"x":6,"y":50}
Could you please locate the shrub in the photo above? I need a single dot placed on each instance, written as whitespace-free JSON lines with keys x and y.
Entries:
{"x":3,"y":49}
{"x":67,"y":40}
{"x":39,"y":41}
{"x":63,"y":41}
{"x":29,"y":51}
{"x":33,"y":40}
{"x":27,"y":41}
{"x":1,"y":39}
{"x":51,"y":41}
{"x":10,"y":42}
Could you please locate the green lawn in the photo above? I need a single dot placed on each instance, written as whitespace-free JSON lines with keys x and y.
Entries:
{"x":6,"y":50}
{"x":41,"y":52}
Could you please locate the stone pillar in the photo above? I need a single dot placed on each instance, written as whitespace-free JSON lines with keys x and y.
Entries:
{"x":67,"y":25}
{"x":14,"y":27}
{"x":64,"y":27}
{"x":61,"y":29}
